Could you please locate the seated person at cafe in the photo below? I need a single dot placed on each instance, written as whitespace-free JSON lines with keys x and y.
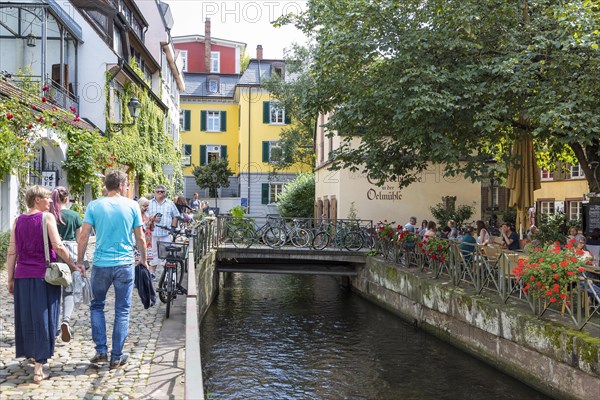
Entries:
{"x":509,"y":237}
{"x":445,"y":232}
{"x":467,"y":246}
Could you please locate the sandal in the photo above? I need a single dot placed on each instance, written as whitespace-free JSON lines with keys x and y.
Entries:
{"x":40,"y":376}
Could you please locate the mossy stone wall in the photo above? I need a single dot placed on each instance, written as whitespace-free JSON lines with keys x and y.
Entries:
{"x":554,"y":358}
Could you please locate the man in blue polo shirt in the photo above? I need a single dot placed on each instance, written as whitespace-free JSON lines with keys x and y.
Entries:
{"x":509,"y":237}
{"x":115,"y":218}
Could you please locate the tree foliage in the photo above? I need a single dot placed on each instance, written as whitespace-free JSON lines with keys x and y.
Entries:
{"x":213,"y":175}
{"x":456,"y":82}
{"x":458,"y":214}
{"x":297,"y":198}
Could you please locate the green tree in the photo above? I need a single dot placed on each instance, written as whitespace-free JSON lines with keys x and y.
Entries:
{"x":297,"y":198}
{"x":213,"y":176}
{"x":456,"y":82}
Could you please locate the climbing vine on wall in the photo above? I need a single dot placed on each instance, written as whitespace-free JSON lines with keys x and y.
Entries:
{"x":144,"y":148}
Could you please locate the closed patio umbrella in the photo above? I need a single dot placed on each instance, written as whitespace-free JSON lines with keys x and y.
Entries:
{"x":523,"y":179}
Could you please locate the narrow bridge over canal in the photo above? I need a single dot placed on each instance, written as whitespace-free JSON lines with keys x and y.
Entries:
{"x":288,"y":260}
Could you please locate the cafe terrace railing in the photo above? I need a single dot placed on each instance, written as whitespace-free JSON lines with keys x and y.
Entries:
{"x":490,"y":269}
{"x":276,"y":231}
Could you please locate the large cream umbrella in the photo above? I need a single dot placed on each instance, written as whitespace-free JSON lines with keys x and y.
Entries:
{"x":523,"y":179}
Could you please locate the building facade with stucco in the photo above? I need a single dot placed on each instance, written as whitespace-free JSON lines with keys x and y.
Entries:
{"x":337,"y":192}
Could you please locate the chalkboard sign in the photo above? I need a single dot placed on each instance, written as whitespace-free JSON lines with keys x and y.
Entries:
{"x":591,"y":217}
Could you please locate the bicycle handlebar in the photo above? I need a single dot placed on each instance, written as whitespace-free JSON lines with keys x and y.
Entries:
{"x":177,"y":231}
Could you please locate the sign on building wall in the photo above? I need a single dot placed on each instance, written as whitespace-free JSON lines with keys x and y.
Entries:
{"x":49,"y":179}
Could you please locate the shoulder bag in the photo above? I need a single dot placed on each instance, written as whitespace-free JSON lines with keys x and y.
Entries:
{"x":57,"y":273}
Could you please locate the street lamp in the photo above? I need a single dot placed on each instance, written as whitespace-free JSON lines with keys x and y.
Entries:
{"x":135,"y":107}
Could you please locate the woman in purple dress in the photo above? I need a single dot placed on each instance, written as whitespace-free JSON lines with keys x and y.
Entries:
{"x":36,"y":302}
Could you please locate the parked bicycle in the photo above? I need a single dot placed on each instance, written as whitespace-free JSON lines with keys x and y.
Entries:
{"x":281,"y":234}
{"x":248,"y":234}
{"x":343,"y":234}
{"x":175,"y":254}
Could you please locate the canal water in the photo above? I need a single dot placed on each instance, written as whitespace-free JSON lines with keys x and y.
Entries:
{"x":302,"y":337}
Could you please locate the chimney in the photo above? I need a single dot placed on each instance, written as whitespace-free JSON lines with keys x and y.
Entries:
{"x":207,"y":46}
{"x":259,"y":54}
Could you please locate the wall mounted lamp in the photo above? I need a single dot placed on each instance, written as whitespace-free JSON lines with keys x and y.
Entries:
{"x":135,"y":107}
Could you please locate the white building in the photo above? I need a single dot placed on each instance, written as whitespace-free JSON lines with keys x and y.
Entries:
{"x":79,"y":48}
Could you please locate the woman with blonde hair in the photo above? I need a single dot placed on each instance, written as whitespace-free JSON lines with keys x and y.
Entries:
{"x":36,"y":303}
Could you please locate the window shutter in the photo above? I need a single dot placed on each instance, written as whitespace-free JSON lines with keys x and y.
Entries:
{"x":202,"y":155}
{"x":203,"y":120}
{"x":265,"y":151}
{"x":288,"y":119}
{"x":223,"y":151}
{"x":223,"y":121}
{"x":266,"y":112}
{"x":187,"y":149}
{"x":265,"y":193}
{"x":186,"y":120}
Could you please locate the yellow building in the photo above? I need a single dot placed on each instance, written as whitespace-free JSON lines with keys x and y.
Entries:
{"x":337,"y":191}
{"x":261,"y":122}
{"x":231,"y":116}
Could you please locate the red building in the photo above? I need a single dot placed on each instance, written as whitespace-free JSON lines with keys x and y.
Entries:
{"x":206,"y":54}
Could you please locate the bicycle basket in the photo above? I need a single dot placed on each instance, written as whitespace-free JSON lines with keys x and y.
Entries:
{"x":172,"y":251}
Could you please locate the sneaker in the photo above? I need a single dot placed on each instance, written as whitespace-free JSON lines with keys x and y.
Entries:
{"x":66,"y":333}
{"x":99,"y":358}
{"x":118,"y":362}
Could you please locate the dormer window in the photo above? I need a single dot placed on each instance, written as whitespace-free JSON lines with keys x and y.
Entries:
{"x":212,"y":84}
{"x":278,"y":69}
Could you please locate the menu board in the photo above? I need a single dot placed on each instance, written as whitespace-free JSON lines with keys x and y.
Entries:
{"x":591,"y":217}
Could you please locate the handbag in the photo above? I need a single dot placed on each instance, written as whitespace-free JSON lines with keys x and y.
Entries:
{"x":57,"y":273}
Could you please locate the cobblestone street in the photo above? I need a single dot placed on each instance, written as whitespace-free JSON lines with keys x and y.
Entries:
{"x":71,"y":374}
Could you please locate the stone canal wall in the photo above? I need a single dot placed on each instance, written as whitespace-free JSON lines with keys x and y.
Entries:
{"x":203,"y":286}
{"x":555,"y":359}
{"x":207,"y":282}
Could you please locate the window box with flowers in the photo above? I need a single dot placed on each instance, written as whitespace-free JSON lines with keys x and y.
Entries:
{"x":549,"y":275}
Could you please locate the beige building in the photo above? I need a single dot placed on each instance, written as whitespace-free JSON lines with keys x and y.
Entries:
{"x":337,"y":191}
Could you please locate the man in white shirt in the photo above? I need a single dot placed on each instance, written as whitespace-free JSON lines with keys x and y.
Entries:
{"x":165,"y":213}
{"x":411,"y":226}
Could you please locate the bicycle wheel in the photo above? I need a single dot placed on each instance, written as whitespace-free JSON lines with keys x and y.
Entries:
{"x":300,"y":237}
{"x":353,"y":241}
{"x":242,"y":237}
{"x":321,"y":240}
{"x":170,"y":290}
{"x":162,"y":286}
{"x":272,"y":237}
